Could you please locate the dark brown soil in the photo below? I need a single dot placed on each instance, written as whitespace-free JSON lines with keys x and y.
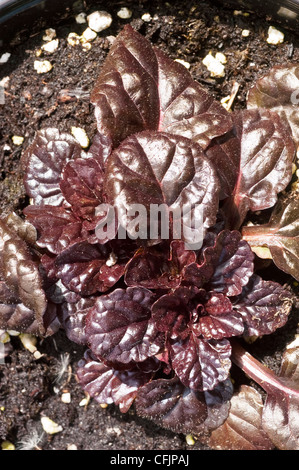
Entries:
{"x":185,"y":30}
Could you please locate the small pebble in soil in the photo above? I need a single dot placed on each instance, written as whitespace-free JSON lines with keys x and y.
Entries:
{"x":183,"y":62}
{"x":88,"y":35}
{"x":84,"y":402}
{"x":215,"y":65}
{"x":17,"y":140}
{"x":190,"y":440}
{"x":81,"y":18}
{"x":51,"y":46}
{"x":245,"y":33}
{"x":73,"y":39}
{"x":274,"y":36}
{"x":7,"y":445}
{"x":81,"y":136}
{"x":42,"y":66}
{"x":146,"y":17}
{"x":66,"y":397}
{"x":124,"y":13}
{"x":4,"y":57}
{"x":49,"y":426}
{"x":99,"y":20}
{"x":49,"y":35}
{"x":72,"y":447}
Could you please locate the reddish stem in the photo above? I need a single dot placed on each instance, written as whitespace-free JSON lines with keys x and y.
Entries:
{"x":258,"y":372}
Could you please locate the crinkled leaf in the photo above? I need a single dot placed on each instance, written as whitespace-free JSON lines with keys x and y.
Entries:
{"x":140,"y":88}
{"x":57,"y":227}
{"x":22,"y":228}
{"x":154,"y":168}
{"x":264,"y":306}
{"x":108,"y":385}
{"x":119,"y":327}
{"x":280,"y":235}
{"x":160,"y":266}
{"x":225,"y":265}
{"x":278,"y":91}
{"x":171,"y":405}
{"x":24,"y":306}
{"x":82,"y":186}
{"x":201,"y":364}
{"x":73,"y":317}
{"x":83,"y":268}
{"x":100,"y":149}
{"x":43,"y":162}
{"x":221,"y":321}
{"x":243,"y":428}
{"x":265,"y":165}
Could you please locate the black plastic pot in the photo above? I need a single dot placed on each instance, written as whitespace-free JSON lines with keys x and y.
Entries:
{"x":15,"y":14}
{"x":285,"y":12}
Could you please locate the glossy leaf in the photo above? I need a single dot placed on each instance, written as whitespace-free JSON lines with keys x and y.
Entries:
{"x":201,"y":364}
{"x":154,"y":168}
{"x":160,"y":266}
{"x":267,"y":151}
{"x":225,"y":264}
{"x":119,"y":327}
{"x":278,"y":91}
{"x":280,"y":235}
{"x":243,"y":428}
{"x":108,"y":385}
{"x":73,"y":317}
{"x":57,"y":227}
{"x":82,"y":186}
{"x":23,"y":303}
{"x":83,"y":268}
{"x":171,"y":405}
{"x":43,"y":162}
{"x":264,"y":306}
{"x":140,"y":88}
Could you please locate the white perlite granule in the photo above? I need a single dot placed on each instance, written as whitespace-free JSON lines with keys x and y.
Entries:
{"x":99,"y":20}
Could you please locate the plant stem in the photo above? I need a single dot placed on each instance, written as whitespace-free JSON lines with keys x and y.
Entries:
{"x":258,"y":372}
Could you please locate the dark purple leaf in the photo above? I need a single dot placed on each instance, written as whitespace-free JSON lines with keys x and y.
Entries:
{"x":84,"y":268}
{"x":225,"y":266}
{"x":140,"y":88}
{"x":201,"y":364}
{"x":23,"y":303}
{"x":265,"y":165}
{"x":159,"y":267}
{"x":57,"y":227}
{"x":100,"y":149}
{"x":43,"y":162}
{"x":108,"y":385}
{"x":221,"y":321}
{"x":264,"y":306}
{"x":82,"y":186}
{"x":278,"y":91}
{"x":224,"y":152}
{"x":171,"y":405}
{"x":280,"y":235}
{"x":154,"y":168}
{"x":73,"y":317}
{"x":119,"y":327}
